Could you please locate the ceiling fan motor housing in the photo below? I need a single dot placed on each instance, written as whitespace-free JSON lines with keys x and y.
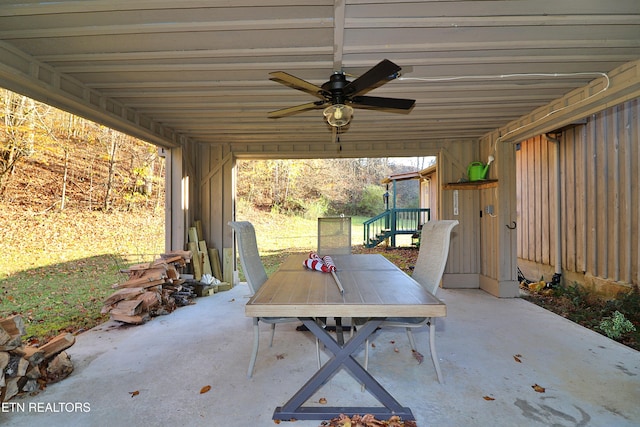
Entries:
{"x":335,"y":87}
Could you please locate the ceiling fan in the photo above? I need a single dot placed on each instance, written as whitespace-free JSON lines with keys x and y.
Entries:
{"x":338,"y":96}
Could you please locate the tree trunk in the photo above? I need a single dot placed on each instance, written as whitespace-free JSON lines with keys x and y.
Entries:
{"x":64,"y":179}
{"x":113,"y":149}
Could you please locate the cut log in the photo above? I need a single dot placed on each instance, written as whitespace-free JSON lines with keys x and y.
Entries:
{"x":30,"y":386}
{"x":149,"y":299}
{"x":34,"y":373}
{"x":135,"y":320}
{"x":13,"y":367}
{"x":34,"y":355}
{"x":4,"y":336}
{"x":13,"y":325}
{"x":23,"y":365}
{"x":143,"y":282}
{"x":4,"y":360}
{"x":152,"y":271}
{"x":172,"y":272}
{"x":137,"y":267}
{"x":12,"y":344}
{"x":123,"y":294}
{"x":128,"y":308}
{"x":57,"y":344}
{"x":60,"y":367}
{"x":185,"y":255}
{"x":10,"y":389}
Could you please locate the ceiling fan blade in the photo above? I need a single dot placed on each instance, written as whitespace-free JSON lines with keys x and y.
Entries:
{"x":297,"y":83}
{"x":293,"y":110}
{"x":379,"y":102}
{"x":378,"y":73}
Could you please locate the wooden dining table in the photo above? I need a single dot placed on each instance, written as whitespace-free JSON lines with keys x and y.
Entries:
{"x":374,"y":289}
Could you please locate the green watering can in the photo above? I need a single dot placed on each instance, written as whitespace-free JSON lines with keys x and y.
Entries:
{"x":476,"y":171}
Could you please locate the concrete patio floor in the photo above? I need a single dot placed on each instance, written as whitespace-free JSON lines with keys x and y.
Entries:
{"x":589,"y":380}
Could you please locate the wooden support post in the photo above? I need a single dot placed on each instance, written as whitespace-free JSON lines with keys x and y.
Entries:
{"x":227,"y":260}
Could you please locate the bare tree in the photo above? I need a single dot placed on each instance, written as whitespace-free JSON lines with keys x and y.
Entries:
{"x":17,"y":136}
{"x":111,"y":141}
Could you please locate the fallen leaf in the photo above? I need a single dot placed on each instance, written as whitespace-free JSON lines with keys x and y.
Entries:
{"x":322,"y":401}
{"x":418,"y":356}
{"x":280,"y":356}
{"x":134,"y":393}
{"x":232,"y":300}
{"x":276,"y":421}
{"x":392,"y":342}
{"x":396,"y":350}
{"x":205,"y":389}
{"x":538,"y":388}
{"x":488,"y":398}
{"x":373,"y":345}
{"x":517,"y":358}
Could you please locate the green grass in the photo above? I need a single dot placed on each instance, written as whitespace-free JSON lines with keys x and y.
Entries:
{"x":61,"y":297}
{"x":58,"y":267}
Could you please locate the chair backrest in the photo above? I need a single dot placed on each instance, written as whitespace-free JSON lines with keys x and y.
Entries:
{"x":249,"y":257}
{"x":334,"y":235}
{"x":434,"y":251}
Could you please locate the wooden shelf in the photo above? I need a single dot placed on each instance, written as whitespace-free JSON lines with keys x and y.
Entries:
{"x":475,"y":185}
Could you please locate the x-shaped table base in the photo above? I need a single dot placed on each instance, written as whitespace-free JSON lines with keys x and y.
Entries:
{"x":342,"y":356}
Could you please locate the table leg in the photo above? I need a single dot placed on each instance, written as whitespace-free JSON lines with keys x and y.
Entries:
{"x":293,"y":409}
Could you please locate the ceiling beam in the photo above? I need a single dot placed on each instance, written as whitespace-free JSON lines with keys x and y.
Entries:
{"x":620,"y":85}
{"x":338,"y":33}
{"x":26,"y":75}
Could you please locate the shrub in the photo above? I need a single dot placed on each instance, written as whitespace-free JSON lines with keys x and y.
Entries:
{"x":617,"y":325}
{"x":371,"y":202}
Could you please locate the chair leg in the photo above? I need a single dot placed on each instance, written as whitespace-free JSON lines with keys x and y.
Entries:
{"x":366,"y":361}
{"x":412,"y":341}
{"x":432,"y":345}
{"x":273,"y":332}
{"x":256,"y":344}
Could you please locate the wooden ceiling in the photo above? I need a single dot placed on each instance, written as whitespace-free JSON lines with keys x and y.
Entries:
{"x":199,"y":69}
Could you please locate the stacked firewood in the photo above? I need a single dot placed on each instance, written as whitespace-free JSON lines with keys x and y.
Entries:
{"x":152,"y":289}
{"x":26,"y":368}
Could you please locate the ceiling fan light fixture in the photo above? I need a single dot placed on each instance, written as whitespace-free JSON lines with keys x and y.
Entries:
{"x":338,"y":115}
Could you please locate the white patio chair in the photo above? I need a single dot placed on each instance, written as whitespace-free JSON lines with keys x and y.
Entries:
{"x":334,"y":235}
{"x":432,"y":258}
{"x":256,"y":276}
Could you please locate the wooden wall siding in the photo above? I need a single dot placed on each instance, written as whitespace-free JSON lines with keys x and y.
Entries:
{"x":489,"y":239}
{"x":534,"y":188}
{"x":464,"y":252}
{"x":215,"y":195}
{"x":600,"y":208}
